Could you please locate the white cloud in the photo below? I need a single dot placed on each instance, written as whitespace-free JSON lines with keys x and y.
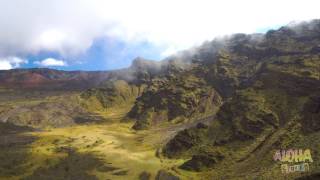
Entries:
{"x":4,"y":65}
{"x":70,"y":27}
{"x":51,"y":62}
{"x":11,"y":62}
{"x":169,"y":51}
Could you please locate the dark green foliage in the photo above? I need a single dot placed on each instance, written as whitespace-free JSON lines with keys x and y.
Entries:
{"x":201,"y":162}
{"x":311,"y":115}
{"x":121,"y":173}
{"x":315,"y":176}
{"x":247,"y":115}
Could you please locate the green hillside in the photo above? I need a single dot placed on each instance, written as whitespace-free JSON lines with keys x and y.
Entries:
{"x":238,"y":107}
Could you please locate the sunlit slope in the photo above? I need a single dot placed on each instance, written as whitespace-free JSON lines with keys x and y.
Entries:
{"x":108,"y":150}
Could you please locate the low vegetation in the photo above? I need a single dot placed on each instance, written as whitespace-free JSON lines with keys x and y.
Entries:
{"x":218,"y":111}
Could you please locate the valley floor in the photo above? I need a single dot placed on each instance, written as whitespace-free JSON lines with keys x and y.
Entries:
{"x":104,"y":150}
{"x":108,"y":149}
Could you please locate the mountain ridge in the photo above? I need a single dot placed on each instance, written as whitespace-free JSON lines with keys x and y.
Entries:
{"x":220,"y":110}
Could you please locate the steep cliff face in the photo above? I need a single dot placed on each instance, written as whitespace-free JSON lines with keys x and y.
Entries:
{"x":275,"y":63}
{"x":270,"y":86}
{"x":178,"y":96}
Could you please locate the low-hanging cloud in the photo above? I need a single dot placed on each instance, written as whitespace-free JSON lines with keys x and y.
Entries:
{"x":70,"y":27}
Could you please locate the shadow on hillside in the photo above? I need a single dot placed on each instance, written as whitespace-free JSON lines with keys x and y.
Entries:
{"x":14,"y":150}
{"x":7,"y":128}
{"x":89,"y":118}
{"x":76,"y":166}
{"x":315,"y":176}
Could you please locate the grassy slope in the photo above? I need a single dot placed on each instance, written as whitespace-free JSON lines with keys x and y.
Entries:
{"x":268,"y":106}
{"x":105,"y":150}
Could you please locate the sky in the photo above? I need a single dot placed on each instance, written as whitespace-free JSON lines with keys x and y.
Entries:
{"x":109,"y":34}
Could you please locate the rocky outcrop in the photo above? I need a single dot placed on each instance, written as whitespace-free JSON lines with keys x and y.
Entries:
{"x":175,"y":97}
